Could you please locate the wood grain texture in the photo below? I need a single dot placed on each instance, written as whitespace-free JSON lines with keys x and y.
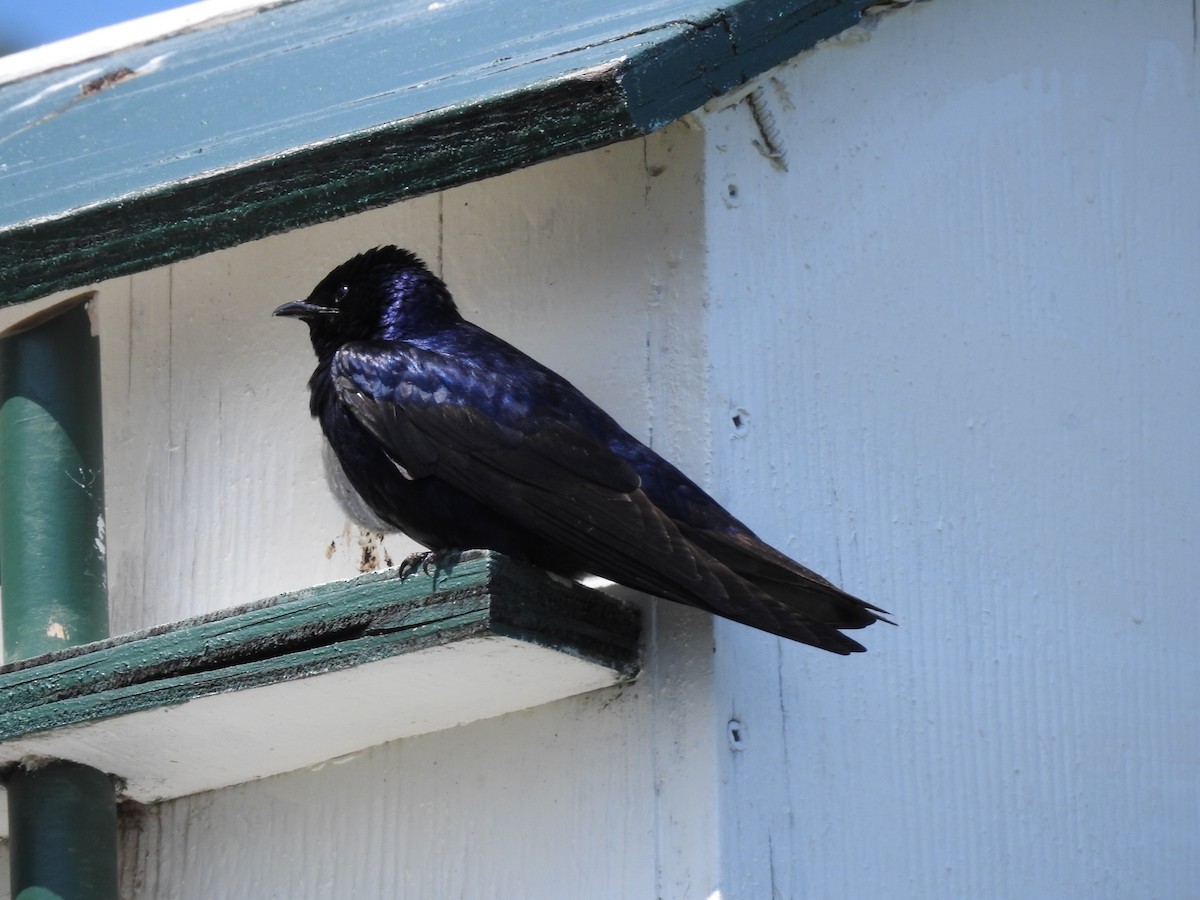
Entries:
{"x":960,"y":328}
{"x":561,"y":798}
{"x":315,"y":630}
{"x":258,"y":690}
{"x":593,"y":263}
{"x":958,"y":341}
{"x":309,"y":111}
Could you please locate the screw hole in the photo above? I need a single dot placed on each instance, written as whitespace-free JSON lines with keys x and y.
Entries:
{"x":740,"y":419}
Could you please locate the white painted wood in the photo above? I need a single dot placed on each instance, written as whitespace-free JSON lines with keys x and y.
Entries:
{"x":216,"y":492}
{"x":216,"y":496}
{"x":557,"y":801}
{"x":963,"y":323}
{"x":960,"y":327}
{"x":132,"y":33}
{"x":216,"y":741}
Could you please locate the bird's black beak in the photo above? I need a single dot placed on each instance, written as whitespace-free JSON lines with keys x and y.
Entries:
{"x":303,"y":309}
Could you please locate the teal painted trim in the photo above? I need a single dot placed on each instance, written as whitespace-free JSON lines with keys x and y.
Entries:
{"x":62,"y":816}
{"x":296,"y":189}
{"x":62,"y":820}
{"x":51,"y":483}
{"x":734,"y":44}
{"x":321,"y":629}
{"x":315,"y":110}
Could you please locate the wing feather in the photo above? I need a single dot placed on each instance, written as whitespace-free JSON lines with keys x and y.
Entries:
{"x":547,"y":474}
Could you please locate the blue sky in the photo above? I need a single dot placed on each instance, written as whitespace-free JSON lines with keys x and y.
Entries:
{"x":26,"y":24}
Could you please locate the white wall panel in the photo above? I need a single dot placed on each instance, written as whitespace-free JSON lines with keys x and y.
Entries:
{"x":215,"y":497}
{"x":958,"y":333}
{"x":963,"y":324}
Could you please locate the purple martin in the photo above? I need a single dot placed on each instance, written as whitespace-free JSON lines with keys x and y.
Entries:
{"x":449,"y":434}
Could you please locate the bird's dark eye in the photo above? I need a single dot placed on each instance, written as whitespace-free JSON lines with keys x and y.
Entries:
{"x":340,"y":292}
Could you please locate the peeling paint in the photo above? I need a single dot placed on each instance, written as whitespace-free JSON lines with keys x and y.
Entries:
{"x":105,"y":81}
{"x":33,"y":761}
{"x":90,"y":84}
{"x":93,"y":317}
{"x":54,"y":89}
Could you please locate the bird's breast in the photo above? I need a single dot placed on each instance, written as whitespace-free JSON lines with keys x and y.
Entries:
{"x":347,"y":496}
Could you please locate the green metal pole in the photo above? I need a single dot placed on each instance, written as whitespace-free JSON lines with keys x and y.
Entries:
{"x":62,"y":815}
{"x":62,"y":826}
{"x":51,"y":483}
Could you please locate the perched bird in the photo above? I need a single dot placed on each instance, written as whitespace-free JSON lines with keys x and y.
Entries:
{"x":443,"y":431}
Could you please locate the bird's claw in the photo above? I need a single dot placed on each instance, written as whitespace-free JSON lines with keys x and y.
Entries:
{"x":428,"y":561}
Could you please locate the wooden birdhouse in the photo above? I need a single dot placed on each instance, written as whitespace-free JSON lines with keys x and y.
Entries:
{"x":909,"y":289}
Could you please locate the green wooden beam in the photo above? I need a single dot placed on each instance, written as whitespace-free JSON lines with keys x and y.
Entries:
{"x":314,"y":110}
{"x":320,"y":629}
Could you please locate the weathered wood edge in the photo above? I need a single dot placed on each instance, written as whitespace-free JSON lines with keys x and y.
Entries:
{"x":317,"y":630}
{"x":688,"y":65}
{"x":734,"y":44}
{"x":440,"y":149}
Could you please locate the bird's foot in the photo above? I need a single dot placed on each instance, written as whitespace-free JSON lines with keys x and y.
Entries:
{"x":428,"y":561}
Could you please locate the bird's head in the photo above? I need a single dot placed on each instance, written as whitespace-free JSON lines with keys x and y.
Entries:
{"x":382,"y":294}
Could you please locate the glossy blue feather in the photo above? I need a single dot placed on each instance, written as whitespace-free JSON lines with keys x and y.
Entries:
{"x":460,"y":440}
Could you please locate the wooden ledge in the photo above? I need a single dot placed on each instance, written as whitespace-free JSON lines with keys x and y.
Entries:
{"x":312,"y":675}
{"x":152,"y":153}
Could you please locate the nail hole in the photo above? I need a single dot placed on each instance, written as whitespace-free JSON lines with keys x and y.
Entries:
{"x":740,"y":419}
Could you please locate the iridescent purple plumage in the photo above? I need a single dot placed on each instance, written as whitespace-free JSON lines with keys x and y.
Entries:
{"x":458,"y":439}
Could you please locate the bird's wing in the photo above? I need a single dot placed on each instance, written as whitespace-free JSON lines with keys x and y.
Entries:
{"x":543,"y":471}
{"x":784,"y":578}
